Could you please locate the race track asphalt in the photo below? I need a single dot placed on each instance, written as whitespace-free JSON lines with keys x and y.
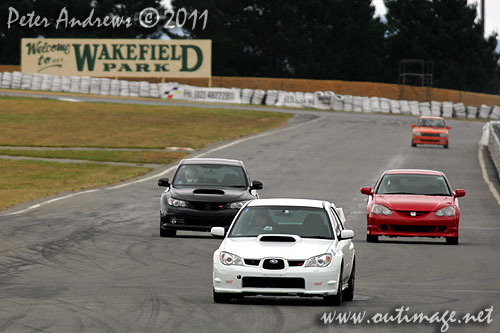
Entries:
{"x":94,"y":262}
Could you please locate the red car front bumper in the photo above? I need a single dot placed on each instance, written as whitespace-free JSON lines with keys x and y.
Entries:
{"x":430,"y":140}
{"x":400,"y":224}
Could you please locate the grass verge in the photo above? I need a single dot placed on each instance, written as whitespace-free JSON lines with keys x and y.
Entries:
{"x":52,"y":123}
{"x":23,"y":181}
{"x":101,"y":155}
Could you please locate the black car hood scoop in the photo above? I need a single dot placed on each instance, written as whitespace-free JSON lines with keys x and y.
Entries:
{"x":277,"y":238}
{"x":208,"y":191}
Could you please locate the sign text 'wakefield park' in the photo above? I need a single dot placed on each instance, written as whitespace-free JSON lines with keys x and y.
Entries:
{"x":117,"y":57}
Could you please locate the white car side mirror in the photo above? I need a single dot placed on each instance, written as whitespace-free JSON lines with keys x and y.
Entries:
{"x":346,"y":234}
{"x":340,"y":212}
{"x":217,"y":231}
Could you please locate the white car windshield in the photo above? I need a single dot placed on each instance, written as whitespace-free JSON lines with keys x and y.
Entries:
{"x":413,"y":184}
{"x":306,"y":222}
{"x":210,"y":175}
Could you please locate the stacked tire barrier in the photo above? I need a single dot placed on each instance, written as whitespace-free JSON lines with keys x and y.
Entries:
{"x":327,"y":100}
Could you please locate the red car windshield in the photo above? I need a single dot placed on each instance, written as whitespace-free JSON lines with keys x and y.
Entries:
{"x":430,"y":122}
{"x":413,"y":184}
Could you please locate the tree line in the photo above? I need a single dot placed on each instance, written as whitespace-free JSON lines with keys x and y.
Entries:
{"x":314,"y":39}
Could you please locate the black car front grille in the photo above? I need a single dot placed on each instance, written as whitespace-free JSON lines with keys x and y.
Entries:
{"x":294,"y":263}
{"x":252,"y":262}
{"x":274,"y":264}
{"x":198,"y":205}
{"x":430,"y":134}
{"x":270,"y":282}
{"x":412,"y":213}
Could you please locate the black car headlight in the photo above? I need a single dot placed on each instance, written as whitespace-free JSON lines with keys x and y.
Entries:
{"x":176,"y":202}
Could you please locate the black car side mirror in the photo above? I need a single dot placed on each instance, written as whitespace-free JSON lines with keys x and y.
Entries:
{"x":163,"y":182}
{"x":256,"y":185}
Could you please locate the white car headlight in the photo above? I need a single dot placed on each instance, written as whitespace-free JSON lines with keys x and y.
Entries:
{"x":417,"y":133}
{"x":380,"y":209}
{"x":227,"y":258}
{"x":176,"y":202}
{"x":237,"y":204}
{"x":448,"y":211}
{"x":443,"y":135}
{"x":322,"y":260}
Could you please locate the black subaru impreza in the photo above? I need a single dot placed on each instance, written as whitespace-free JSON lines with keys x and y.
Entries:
{"x":204,"y":193}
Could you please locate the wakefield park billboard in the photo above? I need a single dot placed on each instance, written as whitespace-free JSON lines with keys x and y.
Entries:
{"x":117,"y":57}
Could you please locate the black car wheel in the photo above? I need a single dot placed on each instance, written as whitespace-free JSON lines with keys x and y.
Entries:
{"x":452,"y":240}
{"x":167,"y":232}
{"x":348,"y":294}
{"x":413,"y":144}
{"x":371,"y":238}
{"x":445,"y":146}
{"x":335,"y":300}
{"x":221,"y":297}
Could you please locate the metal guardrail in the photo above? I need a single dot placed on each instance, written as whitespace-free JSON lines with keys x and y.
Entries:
{"x":494,"y":143}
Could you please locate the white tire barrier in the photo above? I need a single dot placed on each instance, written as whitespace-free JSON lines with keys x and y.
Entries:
{"x":365,"y":104}
{"x":173,"y":90}
{"x":257,"y":97}
{"x":75,"y":84}
{"x":124,"y":88}
{"x":404,"y":106}
{"x":339,"y":102}
{"x":435,"y":109}
{"x":46,"y":82}
{"x":85,"y":84}
{"x":447,"y":109}
{"x":414,"y":108}
{"x":105,"y":87}
{"x":425,"y":108}
{"x":394,"y":107}
{"x":471,"y":112}
{"x":56,"y":83}
{"x":495,"y":112}
{"x":114,"y":88}
{"x":459,"y":110}
{"x":17,"y":78}
{"x":246,"y":96}
{"x":375,"y":104}
{"x":484,"y":112}
{"x":271,"y":97}
{"x":95,"y":86}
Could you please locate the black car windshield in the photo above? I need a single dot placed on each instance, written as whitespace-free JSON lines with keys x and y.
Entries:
{"x":413,"y":184}
{"x":430,"y":122}
{"x":189,"y":175}
{"x":306,"y":222}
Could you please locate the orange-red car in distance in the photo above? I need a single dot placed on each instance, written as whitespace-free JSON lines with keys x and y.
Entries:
{"x":430,"y":131}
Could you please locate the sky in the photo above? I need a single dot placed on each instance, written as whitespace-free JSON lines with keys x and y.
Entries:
{"x":492,"y":13}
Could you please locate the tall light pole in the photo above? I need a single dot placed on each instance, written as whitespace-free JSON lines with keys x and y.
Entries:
{"x":482,"y":15}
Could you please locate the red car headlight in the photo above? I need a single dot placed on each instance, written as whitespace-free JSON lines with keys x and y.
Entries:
{"x":380,"y":209}
{"x":448,"y":211}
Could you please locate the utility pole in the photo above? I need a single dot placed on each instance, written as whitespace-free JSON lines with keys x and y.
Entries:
{"x":482,"y":15}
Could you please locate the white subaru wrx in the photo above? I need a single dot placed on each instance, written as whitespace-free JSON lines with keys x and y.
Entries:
{"x":290,"y":247}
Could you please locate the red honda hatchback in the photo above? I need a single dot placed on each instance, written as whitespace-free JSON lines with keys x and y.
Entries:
{"x":413,"y":203}
{"x":430,"y":131}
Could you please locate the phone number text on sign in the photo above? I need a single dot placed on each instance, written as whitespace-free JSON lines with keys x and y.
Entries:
{"x":150,"y":17}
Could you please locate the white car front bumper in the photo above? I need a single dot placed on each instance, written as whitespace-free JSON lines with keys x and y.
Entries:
{"x":298,"y":280}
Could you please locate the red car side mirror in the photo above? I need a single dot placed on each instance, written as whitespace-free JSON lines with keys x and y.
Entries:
{"x":448,"y":127}
{"x":459,"y":193}
{"x":366,"y":190}
{"x":412,"y":125}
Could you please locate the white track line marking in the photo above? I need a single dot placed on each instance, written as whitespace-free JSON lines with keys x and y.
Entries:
{"x":492,"y":188}
{"x":169,"y":169}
